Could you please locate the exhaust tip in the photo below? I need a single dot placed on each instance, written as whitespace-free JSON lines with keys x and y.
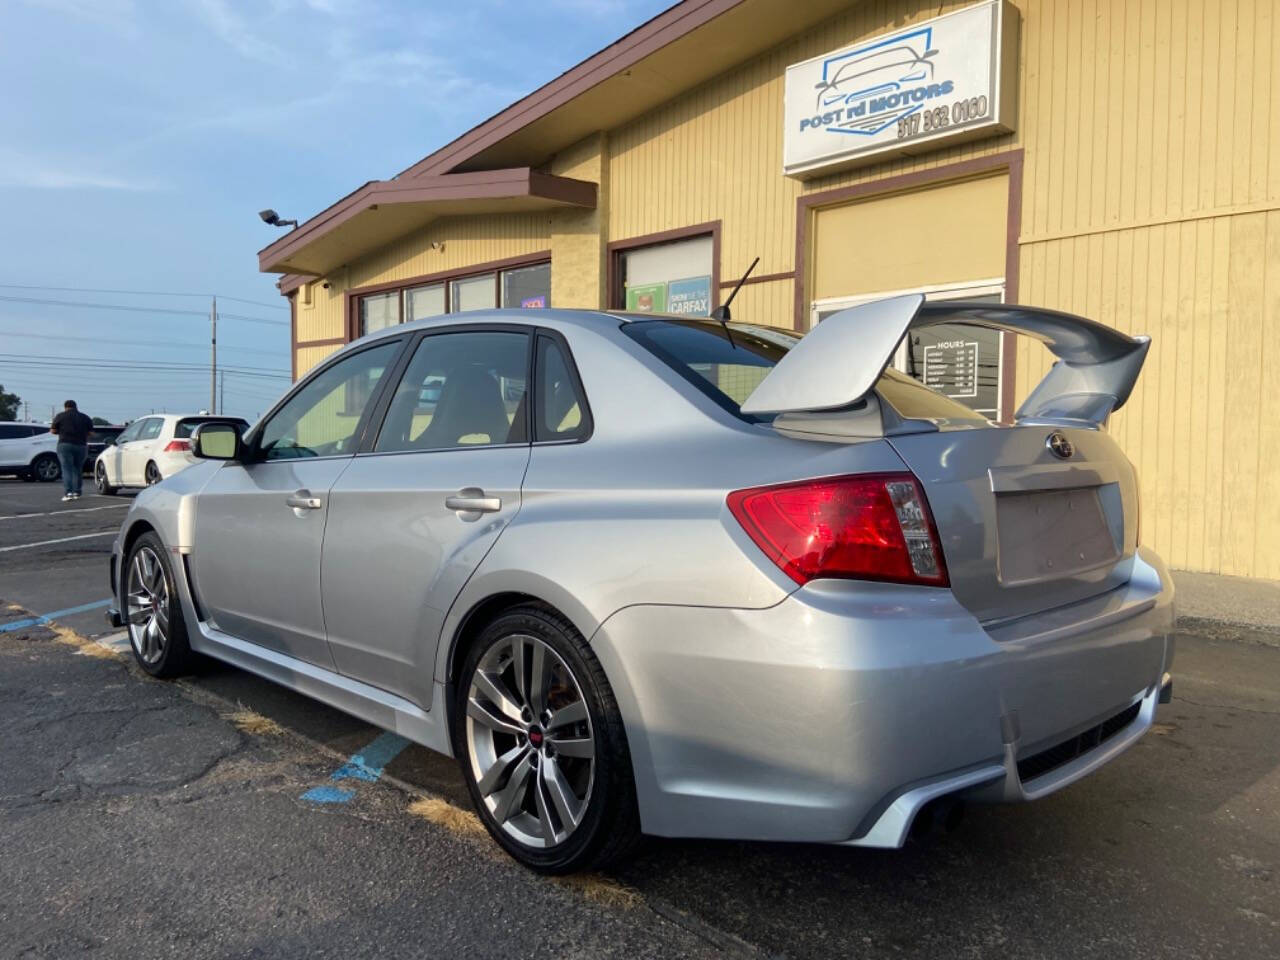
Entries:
{"x":941,"y":815}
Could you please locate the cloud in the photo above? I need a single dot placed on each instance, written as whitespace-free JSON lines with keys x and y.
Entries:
{"x":32,"y":174}
{"x":591,"y":8}
{"x":236,"y":32}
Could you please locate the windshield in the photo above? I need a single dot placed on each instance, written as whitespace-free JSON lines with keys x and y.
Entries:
{"x":726,"y":365}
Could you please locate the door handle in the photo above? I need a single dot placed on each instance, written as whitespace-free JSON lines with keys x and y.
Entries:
{"x":473,"y":500}
{"x":303,"y":500}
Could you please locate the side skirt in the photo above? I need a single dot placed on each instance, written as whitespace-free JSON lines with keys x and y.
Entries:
{"x":375,"y":706}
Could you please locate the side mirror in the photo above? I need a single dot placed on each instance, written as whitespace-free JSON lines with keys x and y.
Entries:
{"x":217,"y":441}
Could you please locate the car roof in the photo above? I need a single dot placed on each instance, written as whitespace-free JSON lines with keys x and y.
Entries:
{"x":555,"y":318}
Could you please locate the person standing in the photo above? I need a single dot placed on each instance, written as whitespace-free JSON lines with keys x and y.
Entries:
{"x":73,"y":429}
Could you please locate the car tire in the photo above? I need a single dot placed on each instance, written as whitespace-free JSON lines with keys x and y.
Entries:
{"x":100,"y":480}
{"x":153,"y":612}
{"x":152,"y":474}
{"x":546,"y":779}
{"x":46,"y":468}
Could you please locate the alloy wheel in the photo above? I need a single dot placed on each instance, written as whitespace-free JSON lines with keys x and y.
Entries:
{"x":100,"y":478}
{"x":529,"y":741}
{"x":48,"y":470}
{"x":153,"y":475}
{"x":148,"y":605}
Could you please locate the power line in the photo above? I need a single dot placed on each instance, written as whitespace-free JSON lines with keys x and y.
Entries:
{"x":53,"y":364}
{"x":140,"y":293}
{"x":151,"y":363}
{"x":129,"y":308}
{"x":110,"y":340}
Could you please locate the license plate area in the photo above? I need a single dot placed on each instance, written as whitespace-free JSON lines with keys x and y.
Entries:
{"x":1050,"y":534}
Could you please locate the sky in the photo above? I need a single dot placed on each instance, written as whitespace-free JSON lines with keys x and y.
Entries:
{"x":141,"y":137}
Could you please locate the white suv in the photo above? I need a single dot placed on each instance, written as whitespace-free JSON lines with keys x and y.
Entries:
{"x":28,"y":450}
{"x":150,"y":449}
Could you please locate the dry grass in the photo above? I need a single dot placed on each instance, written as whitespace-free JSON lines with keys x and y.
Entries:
{"x":249,"y":721}
{"x":85,"y":646}
{"x":445,"y":814}
{"x":603,"y":890}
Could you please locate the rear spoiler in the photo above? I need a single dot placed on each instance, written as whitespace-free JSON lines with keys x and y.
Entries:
{"x":837,"y":364}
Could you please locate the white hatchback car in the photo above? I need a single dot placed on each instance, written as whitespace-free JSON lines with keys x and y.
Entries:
{"x":150,"y":449}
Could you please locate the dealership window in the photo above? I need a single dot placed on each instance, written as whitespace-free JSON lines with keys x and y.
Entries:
{"x":958,"y":360}
{"x":473,"y":293}
{"x":425,"y":301}
{"x":521,"y":286}
{"x":672,"y":277}
{"x":527,"y":286}
{"x":379,"y":311}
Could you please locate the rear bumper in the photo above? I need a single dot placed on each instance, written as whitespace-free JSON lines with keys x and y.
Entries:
{"x":836,"y":714}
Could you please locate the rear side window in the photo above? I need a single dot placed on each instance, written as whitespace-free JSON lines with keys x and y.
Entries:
{"x":150,"y":429}
{"x":561,"y":409}
{"x":460,"y":390}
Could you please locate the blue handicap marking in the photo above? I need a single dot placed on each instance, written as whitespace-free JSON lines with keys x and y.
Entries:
{"x":367,"y":765}
{"x":46,"y":617}
{"x":328,"y":795}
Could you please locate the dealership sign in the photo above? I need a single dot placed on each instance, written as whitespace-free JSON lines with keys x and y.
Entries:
{"x":950,"y":78}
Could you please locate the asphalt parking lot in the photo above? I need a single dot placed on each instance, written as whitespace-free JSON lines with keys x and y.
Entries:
{"x":140,"y":820}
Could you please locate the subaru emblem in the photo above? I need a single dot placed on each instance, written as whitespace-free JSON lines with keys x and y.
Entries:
{"x":1061,"y":447}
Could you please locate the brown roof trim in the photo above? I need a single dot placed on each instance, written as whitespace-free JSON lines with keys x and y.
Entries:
{"x":665,"y":28}
{"x":484,"y":184}
{"x":291,"y":282}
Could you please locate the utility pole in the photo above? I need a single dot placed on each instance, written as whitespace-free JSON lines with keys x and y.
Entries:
{"x":213,"y":361}
{"x":222,"y":393}
{"x":26,"y":410}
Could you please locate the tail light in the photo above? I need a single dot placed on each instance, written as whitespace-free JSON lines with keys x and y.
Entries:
{"x":867,"y":527}
{"x":178,"y":446}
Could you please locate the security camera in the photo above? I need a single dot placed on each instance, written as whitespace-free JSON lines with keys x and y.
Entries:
{"x":272,"y":219}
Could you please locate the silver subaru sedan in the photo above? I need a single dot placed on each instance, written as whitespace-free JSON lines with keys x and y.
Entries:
{"x":684,"y":577}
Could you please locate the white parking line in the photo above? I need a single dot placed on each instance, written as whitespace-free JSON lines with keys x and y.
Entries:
{"x":45,"y":543}
{"x":58,"y":513}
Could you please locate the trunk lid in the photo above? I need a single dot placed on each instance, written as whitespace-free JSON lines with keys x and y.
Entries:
{"x":1024,"y":529}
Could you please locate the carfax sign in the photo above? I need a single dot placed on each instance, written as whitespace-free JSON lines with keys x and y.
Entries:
{"x":947,"y":79}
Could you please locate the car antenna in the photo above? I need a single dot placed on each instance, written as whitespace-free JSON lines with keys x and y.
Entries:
{"x":721,"y":312}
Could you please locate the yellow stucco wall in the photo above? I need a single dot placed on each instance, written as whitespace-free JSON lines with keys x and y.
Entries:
{"x":1150,"y":137}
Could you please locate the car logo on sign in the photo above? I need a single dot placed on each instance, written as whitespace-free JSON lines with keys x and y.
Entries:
{"x":1060,"y":446}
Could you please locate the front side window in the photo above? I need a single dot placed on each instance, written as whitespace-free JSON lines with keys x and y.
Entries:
{"x":561,"y":409}
{"x":321,"y":417}
{"x":130,"y":432}
{"x":460,"y":390}
{"x":379,"y":311}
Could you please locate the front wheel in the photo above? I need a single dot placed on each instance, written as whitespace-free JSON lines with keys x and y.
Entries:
{"x":157,"y":631}
{"x":541,"y":744}
{"x":46,"y":468}
{"x":101,"y":481}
